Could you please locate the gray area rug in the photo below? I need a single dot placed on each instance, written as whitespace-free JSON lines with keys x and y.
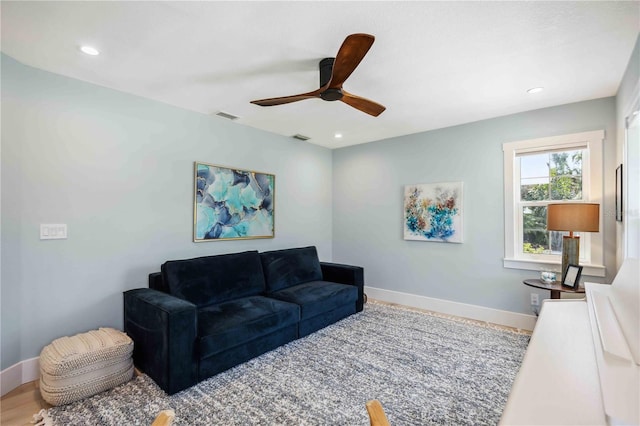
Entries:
{"x":424,"y":369}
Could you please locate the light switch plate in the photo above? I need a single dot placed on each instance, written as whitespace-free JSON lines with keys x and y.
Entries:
{"x":53,"y":231}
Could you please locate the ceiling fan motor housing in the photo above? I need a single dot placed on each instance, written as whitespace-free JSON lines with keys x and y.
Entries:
{"x":326,"y":69}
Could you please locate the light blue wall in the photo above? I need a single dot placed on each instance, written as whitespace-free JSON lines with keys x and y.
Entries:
{"x":368,"y":183}
{"x":118,"y":170}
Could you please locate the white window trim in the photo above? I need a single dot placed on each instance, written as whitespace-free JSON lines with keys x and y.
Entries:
{"x":594,"y":141}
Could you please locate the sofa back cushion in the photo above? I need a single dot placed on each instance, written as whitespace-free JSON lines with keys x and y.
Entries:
{"x":214,"y":279}
{"x":289,"y":267}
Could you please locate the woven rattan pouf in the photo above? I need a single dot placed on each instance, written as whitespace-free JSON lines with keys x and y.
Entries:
{"x":76,"y":367}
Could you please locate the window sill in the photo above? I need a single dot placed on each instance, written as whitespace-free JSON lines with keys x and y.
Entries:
{"x":536,"y":265}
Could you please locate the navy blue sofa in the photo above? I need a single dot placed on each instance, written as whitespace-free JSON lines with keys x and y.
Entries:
{"x":205,"y":315}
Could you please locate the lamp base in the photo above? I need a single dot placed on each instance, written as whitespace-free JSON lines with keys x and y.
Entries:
{"x":570,"y":253}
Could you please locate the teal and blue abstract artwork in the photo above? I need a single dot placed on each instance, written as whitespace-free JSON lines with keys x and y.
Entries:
{"x":232,"y":203}
{"x":433,"y":212}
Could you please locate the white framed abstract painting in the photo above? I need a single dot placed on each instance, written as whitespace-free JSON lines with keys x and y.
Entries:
{"x":433,"y":212}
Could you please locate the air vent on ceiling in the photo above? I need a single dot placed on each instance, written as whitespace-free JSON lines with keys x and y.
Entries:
{"x":226,"y":115}
{"x":301,"y":137}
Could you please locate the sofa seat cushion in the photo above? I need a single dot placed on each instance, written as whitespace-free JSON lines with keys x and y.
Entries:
{"x":317,"y":297}
{"x":290,"y":267}
{"x":225,"y":325}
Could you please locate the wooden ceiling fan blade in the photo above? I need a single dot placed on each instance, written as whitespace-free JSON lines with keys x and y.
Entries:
{"x":351,"y":53}
{"x":288,"y":99}
{"x":362,"y":104}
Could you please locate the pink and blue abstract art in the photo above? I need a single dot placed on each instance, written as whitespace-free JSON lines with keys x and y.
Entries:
{"x":232,"y":204}
{"x":433,"y":212}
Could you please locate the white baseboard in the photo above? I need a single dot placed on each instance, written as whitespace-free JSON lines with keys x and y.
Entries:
{"x":475,"y":312}
{"x":23,"y":372}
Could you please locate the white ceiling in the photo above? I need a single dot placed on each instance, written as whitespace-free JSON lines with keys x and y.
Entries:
{"x":433,"y":64}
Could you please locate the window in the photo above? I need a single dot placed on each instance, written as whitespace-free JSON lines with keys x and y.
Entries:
{"x":547,"y":177}
{"x":543,"y":171}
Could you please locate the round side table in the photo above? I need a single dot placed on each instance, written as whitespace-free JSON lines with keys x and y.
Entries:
{"x":555,"y":287}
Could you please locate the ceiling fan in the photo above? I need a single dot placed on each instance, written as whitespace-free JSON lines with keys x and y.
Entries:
{"x":333,"y":73}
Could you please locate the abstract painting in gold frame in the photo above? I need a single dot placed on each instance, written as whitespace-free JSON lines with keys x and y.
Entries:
{"x":232,"y":204}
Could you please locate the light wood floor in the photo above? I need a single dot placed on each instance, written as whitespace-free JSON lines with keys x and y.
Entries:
{"x":18,"y":406}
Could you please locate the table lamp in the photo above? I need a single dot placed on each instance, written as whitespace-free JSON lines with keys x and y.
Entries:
{"x":572,"y":217}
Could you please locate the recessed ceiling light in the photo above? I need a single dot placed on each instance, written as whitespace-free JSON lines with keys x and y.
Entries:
{"x":337,"y":135}
{"x":90,"y":50}
{"x":535,"y":90}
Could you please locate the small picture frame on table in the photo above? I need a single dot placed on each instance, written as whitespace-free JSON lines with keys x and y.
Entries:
{"x":572,"y":277}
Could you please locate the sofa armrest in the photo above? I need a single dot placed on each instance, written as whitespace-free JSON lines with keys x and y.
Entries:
{"x":163,"y":329}
{"x":345,"y":274}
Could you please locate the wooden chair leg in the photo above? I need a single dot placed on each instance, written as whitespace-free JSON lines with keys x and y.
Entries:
{"x":377,"y":416}
{"x":164,"y":418}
